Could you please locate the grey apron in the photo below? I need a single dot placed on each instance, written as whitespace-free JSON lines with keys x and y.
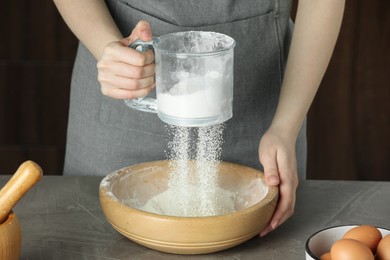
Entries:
{"x":105,"y":135}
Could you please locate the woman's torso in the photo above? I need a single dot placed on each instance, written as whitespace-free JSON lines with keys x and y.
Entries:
{"x":105,"y":135}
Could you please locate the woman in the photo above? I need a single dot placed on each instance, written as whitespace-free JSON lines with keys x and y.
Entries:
{"x":272,"y":94}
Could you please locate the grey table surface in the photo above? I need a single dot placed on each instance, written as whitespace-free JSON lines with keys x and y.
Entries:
{"x":61,"y":218}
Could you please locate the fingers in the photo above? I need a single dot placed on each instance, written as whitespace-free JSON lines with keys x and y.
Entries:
{"x":279,"y":162}
{"x":125,"y":73}
{"x":271,"y":173}
{"x":123,"y":69}
{"x":141,"y":31}
{"x":121,"y":80}
{"x":114,"y":81}
{"x":119,"y":93}
{"x":284,"y":209}
{"x":120,"y":52}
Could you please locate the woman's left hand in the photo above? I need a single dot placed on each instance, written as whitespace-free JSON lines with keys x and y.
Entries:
{"x":277,"y":155}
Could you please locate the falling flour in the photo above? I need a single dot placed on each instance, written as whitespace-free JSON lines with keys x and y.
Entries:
{"x":193,"y":188}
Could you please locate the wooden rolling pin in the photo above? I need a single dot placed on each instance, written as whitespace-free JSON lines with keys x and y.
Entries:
{"x":27,"y":175}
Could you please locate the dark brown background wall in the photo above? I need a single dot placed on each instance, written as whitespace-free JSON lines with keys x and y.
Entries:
{"x":348,"y":124}
{"x":36,"y":56}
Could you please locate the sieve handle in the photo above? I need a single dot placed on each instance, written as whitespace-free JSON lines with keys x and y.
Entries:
{"x":145,"y":104}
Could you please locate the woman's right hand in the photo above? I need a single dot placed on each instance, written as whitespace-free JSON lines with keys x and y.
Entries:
{"x":125,"y":73}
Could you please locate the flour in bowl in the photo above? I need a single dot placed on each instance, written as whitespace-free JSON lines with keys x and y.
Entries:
{"x":169,"y":203}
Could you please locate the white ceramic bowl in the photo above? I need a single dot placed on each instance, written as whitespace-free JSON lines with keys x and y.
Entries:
{"x":321,"y":241}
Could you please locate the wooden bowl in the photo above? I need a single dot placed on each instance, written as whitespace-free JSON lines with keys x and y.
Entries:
{"x":186,"y":235}
{"x":10,"y":238}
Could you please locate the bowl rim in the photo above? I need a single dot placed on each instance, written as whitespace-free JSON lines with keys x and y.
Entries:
{"x":310,"y":253}
{"x":272,"y":194}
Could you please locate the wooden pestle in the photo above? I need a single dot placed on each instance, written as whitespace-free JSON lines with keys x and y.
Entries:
{"x":27,"y":175}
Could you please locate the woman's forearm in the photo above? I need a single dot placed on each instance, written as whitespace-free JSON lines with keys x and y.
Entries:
{"x":317,"y":26}
{"x":91,"y":22}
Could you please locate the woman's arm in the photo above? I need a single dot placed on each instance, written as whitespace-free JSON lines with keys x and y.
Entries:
{"x":91,"y":22}
{"x":317,"y":26}
{"x":123,"y":73}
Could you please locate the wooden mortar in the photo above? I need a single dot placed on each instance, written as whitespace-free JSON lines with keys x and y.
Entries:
{"x":27,"y":175}
{"x":10,"y":238}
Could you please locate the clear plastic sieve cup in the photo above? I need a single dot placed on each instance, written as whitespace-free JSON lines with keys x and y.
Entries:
{"x":194,"y":78}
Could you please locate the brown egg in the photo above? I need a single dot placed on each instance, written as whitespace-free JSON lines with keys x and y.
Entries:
{"x":383,"y":250}
{"x":326,"y":256}
{"x":367,"y":234}
{"x":350,"y":249}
